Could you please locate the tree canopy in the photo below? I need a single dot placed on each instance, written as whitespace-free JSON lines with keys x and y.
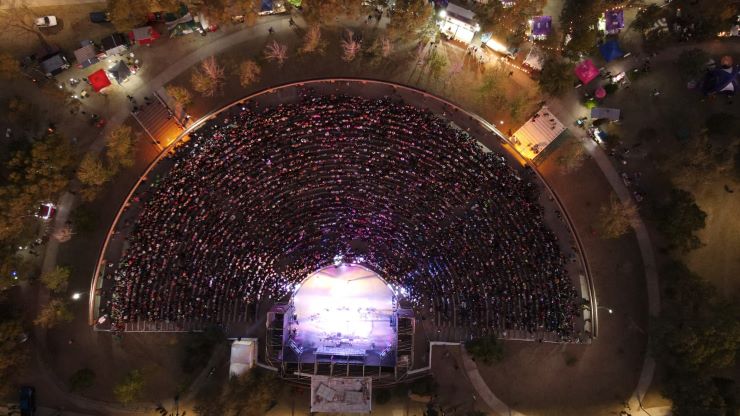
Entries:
{"x":409,"y":18}
{"x":119,"y":147}
{"x":326,"y":12}
{"x":557,"y":77}
{"x":130,"y":388}
{"x":56,"y":279}
{"x":695,"y":339}
{"x":486,"y":349}
{"x":54,"y":313}
{"x":678,"y":218}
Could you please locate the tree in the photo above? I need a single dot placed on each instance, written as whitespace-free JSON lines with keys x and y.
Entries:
{"x":615,"y":218}
{"x":81,"y":379}
{"x":486,"y":349}
{"x":10,"y":68}
{"x":312,"y":40}
{"x":580,"y":17}
{"x":572,"y":156}
{"x":209,"y":78}
{"x":696,"y":338}
{"x":249,"y":72}
{"x":679,"y":218}
{"x":326,"y":12}
{"x":508,"y":23}
{"x":130,"y":388}
{"x":646,"y":18}
{"x":180,"y":95}
{"x":275,"y":51}
{"x":556,"y":77}
{"x":21,"y":112}
{"x":437,"y":64}
{"x":63,"y":234}
{"x":692,"y":63}
{"x":57,"y":279}
{"x":350,"y":47}
{"x":120,"y":147}
{"x":92,"y":172}
{"x":128,"y":14}
{"x":409,"y":18}
{"x":54,"y":313}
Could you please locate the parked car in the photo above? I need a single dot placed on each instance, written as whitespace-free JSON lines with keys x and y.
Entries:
{"x":99,"y":17}
{"x":47,"y":210}
{"x":46,"y":21}
{"x":28,"y":401}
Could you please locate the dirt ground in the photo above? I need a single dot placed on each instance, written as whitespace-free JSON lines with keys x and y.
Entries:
{"x":73,"y":26}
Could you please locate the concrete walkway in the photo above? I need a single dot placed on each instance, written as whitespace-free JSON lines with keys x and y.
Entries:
{"x":480,"y":386}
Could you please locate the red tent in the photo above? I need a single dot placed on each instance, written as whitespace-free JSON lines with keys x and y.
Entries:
{"x":98,"y":80}
{"x":586,"y":71}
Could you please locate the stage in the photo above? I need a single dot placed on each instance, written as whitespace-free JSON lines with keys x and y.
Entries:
{"x":345,"y":313}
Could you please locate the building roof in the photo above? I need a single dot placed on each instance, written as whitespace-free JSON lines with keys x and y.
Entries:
{"x":113,"y":41}
{"x":461,"y":13}
{"x":86,"y":55}
{"x":341,"y":394}
{"x":537,"y":133}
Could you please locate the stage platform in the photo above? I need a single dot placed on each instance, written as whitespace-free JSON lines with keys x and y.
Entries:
{"x":345,"y":313}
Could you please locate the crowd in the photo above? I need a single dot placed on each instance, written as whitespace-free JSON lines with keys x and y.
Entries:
{"x":261,"y":198}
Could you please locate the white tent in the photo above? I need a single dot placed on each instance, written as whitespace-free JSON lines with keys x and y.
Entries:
{"x":603,"y":112}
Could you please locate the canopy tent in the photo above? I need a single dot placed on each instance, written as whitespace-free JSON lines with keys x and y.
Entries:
{"x":144,"y":35}
{"x":614,"y":21}
{"x":120,"y":72}
{"x":537,"y":133}
{"x":98,"y":80}
{"x":600,"y":93}
{"x":612,"y":114}
{"x":114,"y":44}
{"x":610,"y":50}
{"x":586,"y":71}
{"x":86,"y":55}
{"x":266,"y":6}
{"x":721,"y":80}
{"x":541,"y":26}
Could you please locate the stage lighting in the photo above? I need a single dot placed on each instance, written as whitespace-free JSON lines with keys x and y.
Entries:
{"x":338,"y":259}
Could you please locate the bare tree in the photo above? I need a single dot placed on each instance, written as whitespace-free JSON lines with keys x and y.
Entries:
{"x":386,"y":47}
{"x":16,"y":15}
{"x":312,"y":40}
{"x":572,"y":156}
{"x":350,"y":47}
{"x":63,"y":234}
{"x":249,"y":72}
{"x":615,"y":218}
{"x":209,"y":78}
{"x":276,"y":52}
{"x":180,"y":95}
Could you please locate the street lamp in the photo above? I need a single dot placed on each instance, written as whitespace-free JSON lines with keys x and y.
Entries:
{"x":443,"y":13}
{"x":610,"y":310}
{"x":76,"y":296}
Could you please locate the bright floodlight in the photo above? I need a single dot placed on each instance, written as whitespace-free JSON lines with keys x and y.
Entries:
{"x":443,"y":13}
{"x":76,"y":296}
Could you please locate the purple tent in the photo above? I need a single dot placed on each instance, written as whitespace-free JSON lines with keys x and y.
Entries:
{"x":541,"y":26}
{"x":614,"y":20}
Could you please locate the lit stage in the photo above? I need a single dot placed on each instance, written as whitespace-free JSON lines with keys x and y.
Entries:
{"x":344,"y":313}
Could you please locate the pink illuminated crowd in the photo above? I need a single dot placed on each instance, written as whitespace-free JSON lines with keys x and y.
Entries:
{"x":261,"y":198}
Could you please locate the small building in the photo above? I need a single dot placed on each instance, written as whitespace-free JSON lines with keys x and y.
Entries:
{"x":115,"y":44}
{"x":458,"y":23}
{"x":53,"y":64}
{"x":537,"y":133}
{"x":243,"y":356}
{"x":143,"y":35}
{"x":87,"y":54}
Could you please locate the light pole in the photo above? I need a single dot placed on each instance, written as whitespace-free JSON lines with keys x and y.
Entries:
{"x":610,"y":310}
